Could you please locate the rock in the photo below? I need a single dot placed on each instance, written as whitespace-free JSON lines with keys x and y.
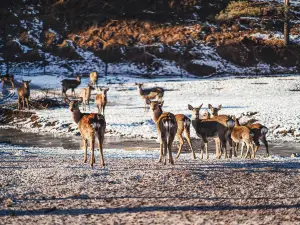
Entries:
{"x":200,"y":69}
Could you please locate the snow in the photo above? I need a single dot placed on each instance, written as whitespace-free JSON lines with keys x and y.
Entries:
{"x":24,"y":48}
{"x":269,"y":97}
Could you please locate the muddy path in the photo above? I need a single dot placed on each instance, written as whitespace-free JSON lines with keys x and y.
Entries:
{"x":17,"y":137}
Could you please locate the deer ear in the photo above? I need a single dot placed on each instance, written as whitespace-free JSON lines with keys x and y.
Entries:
{"x":220,"y":107}
{"x":107,"y":89}
{"x":209,"y":106}
{"x":190,"y":107}
{"x":67,"y":100}
{"x":23,"y":81}
{"x":161,"y":103}
{"x":29,"y":81}
{"x":148,"y":101}
{"x":200,"y":106}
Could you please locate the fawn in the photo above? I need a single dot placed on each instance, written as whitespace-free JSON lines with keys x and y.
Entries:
{"x":85,"y":95}
{"x":244,"y":134}
{"x":101,"y":100}
{"x":90,"y":125}
{"x":70,"y":84}
{"x":150,"y":93}
{"x":183,"y":124}
{"x":24,"y":95}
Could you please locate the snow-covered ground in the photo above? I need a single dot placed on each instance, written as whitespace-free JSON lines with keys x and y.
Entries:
{"x":273,"y":99}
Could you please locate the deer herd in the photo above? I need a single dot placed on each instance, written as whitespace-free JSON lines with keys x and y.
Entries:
{"x":224,"y":129}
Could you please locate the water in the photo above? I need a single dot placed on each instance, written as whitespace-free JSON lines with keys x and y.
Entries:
{"x":17,"y":137}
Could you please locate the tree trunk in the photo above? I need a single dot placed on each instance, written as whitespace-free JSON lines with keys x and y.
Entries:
{"x":286,"y":23}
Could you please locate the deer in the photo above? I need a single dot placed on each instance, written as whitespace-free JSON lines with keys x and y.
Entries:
{"x":150,"y":93}
{"x":85,"y":96}
{"x":210,"y":128}
{"x":8,"y":78}
{"x":94,"y":79}
{"x":183,"y":125}
{"x":244,"y":134}
{"x":101,"y":100}
{"x":24,"y":95}
{"x":70,"y":84}
{"x":166,"y":126}
{"x":90,"y":125}
{"x":259,"y":132}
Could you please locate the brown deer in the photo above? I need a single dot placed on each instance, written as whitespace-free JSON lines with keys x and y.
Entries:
{"x":183,"y":125}
{"x":150,"y":93}
{"x":244,"y":134}
{"x":24,"y":95}
{"x":166,"y":126}
{"x":259,"y":132}
{"x":85,"y":95}
{"x":210,"y":128}
{"x":94,"y":79}
{"x":101,"y":100}
{"x":89,"y":125}
{"x":8,"y":78}
{"x":70,"y":84}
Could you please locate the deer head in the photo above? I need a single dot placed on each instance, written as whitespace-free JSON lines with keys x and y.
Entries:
{"x":195,"y":111}
{"x":104,"y":90}
{"x":214,"y":110}
{"x":26,"y":83}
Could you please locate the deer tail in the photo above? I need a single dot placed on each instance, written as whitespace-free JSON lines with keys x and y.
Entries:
{"x":264,"y":131}
{"x":98,"y":122}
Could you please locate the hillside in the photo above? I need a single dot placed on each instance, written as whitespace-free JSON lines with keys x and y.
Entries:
{"x":190,"y":37}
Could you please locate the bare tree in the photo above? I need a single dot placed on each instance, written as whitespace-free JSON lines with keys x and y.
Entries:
{"x":286,"y":23}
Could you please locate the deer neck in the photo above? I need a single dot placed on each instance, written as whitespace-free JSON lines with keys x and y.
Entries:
{"x":156,"y":114}
{"x":76,"y":115}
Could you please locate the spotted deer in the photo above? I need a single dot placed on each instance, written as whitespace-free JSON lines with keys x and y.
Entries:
{"x":85,"y":96}
{"x":150,"y":93}
{"x":166,"y":126}
{"x":70,"y":84}
{"x":183,"y":125}
{"x":8,"y":78}
{"x":210,"y":128}
{"x":244,"y":134}
{"x":90,"y":125}
{"x":101,"y":100}
{"x":94,"y":79}
{"x":24,"y":95}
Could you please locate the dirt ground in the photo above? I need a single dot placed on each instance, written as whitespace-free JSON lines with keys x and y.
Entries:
{"x":58,"y":188}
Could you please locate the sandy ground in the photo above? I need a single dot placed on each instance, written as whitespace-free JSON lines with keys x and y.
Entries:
{"x":54,"y":186}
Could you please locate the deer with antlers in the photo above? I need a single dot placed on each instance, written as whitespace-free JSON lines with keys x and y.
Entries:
{"x":183,"y":125}
{"x":210,"y":128}
{"x":90,"y":125}
{"x":150,"y":93}
{"x":24,"y":95}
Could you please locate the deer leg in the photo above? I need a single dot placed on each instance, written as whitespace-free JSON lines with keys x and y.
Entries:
{"x":247,"y":152}
{"x":103,"y":110}
{"x":253,"y":150}
{"x":217,"y":147}
{"x":160,"y":151}
{"x":170,"y":151}
{"x":85,"y":145}
{"x":19,"y":105}
{"x":188,"y":138}
{"x":165,"y":147}
{"x":100,"y":143}
{"x":180,"y":139}
{"x":265,"y":142}
{"x":242,"y":149}
{"x":27,"y":103}
{"x":23,"y":103}
{"x":92,"y":151}
{"x":12,"y":84}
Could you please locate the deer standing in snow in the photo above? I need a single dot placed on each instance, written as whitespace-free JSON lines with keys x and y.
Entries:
{"x":183,"y":125}
{"x":101,"y":100}
{"x":259,"y":132}
{"x":210,"y":128}
{"x":70,"y":84}
{"x":244,"y":134}
{"x":94,"y":79}
{"x":90,"y":125}
{"x":24,"y":95}
{"x":150,"y":93}
{"x":85,"y":96}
